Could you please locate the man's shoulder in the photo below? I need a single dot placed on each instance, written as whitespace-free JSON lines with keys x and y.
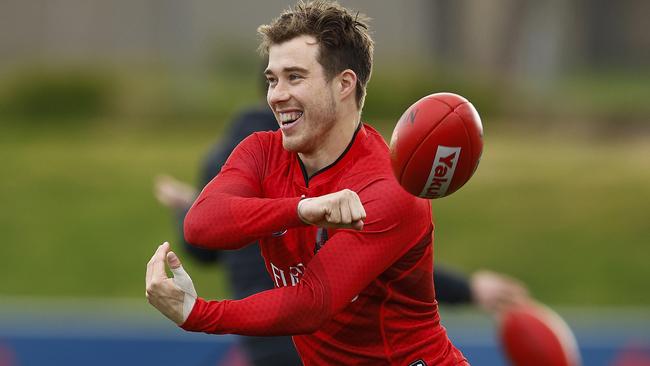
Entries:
{"x":380,"y":185}
{"x":267,"y":147}
{"x":375,"y":136}
{"x":373,"y":179}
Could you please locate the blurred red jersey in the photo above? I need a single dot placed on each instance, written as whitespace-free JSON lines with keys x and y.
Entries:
{"x":348,"y":297}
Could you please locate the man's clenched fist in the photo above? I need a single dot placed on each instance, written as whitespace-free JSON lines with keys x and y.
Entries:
{"x":342,"y":209}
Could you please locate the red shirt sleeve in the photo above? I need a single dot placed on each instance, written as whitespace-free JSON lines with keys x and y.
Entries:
{"x":229,"y":212}
{"x":347,"y":264}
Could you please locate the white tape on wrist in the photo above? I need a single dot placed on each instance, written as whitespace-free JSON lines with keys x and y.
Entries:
{"x":184,"y":282}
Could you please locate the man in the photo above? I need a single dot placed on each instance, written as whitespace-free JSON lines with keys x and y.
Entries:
{"x":350,"y":252}
{"x":486,"y":289}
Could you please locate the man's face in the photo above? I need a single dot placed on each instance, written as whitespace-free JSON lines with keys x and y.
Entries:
{"x":300,"y":96}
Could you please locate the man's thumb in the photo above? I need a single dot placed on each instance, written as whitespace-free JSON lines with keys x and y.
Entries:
{"x":181,"y":277}
{"x":173,"y":261}
{"x":184,"y":282}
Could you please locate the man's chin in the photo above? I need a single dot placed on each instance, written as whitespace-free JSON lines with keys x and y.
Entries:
{"x":290,"y":144}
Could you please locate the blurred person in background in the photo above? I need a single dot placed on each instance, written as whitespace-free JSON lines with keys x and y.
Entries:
{"x":245,"y":267}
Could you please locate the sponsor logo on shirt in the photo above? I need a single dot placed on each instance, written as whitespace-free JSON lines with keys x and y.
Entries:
{"x":419,"y":362}
{"x":290,"y":277}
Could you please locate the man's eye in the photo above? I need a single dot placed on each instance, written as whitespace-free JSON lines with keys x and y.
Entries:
{"x":293,"y":77}
{"x":271,"y":81}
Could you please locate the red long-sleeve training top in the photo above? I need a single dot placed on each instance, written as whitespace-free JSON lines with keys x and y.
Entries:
{"x":348,"y":297}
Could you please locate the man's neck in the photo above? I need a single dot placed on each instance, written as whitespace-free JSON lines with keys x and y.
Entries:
{"x":333,"y":145}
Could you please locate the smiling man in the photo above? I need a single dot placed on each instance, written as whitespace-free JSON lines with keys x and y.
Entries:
{"x":349,"y":251}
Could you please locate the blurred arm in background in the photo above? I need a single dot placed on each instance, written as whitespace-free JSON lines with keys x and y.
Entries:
{"x":491,"y":291}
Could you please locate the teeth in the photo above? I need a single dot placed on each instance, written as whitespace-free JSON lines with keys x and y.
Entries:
{"x":289,"y":116}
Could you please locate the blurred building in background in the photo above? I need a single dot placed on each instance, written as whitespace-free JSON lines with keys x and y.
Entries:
{"x":556,"y":57}
{"x":495,"y":36}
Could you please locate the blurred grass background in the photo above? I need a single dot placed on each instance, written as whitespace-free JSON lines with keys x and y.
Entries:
{"x":564,"y":211}
{"x":560,"y":199}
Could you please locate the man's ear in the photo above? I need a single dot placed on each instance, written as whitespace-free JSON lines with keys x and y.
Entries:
{"x":347,"y":84}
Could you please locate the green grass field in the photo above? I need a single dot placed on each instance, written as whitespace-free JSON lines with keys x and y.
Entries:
{"x":569,"y":218}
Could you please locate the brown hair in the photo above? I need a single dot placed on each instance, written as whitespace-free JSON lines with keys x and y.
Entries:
{"x":343,"y":38}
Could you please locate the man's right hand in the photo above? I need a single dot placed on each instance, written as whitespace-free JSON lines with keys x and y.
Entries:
{"x":173,"y":297}
{"x":342,"y":209}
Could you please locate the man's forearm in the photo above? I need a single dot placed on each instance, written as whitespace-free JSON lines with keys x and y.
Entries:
{"x":221,"y":221}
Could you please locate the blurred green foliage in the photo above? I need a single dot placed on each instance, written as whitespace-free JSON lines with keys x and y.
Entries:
{"x":391,"y":91}
{"x":605,"y":101}
{"x":617,"y":99}
{"x":43,"y":95}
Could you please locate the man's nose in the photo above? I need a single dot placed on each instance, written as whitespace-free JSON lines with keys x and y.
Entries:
{"x":278,"y":93}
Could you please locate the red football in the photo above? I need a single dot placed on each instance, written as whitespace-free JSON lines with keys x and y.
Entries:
{"x":436,"y":145}
{"x":534,"y":335}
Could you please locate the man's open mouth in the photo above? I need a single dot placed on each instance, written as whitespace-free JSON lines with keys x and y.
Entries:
{"x":289,"y":118}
